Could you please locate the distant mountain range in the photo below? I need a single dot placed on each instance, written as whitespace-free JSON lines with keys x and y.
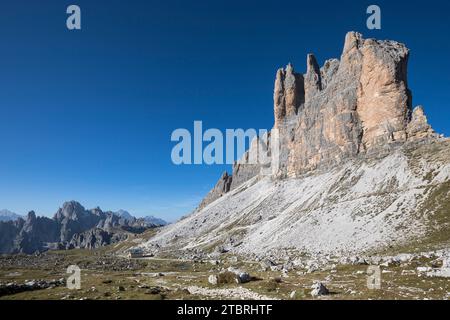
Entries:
{"x":72,"y":226}
{"x":155,"y":221}
{"x":149,"y":219}
{"x":6,"y":215}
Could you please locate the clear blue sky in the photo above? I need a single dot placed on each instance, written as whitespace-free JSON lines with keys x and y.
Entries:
{"x":87,"y":115}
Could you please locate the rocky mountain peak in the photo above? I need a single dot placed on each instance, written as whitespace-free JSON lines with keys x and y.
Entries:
{"x":70,"y":210}
{"x":313,"y":81}
{"x":124,"y":214}
{"x":418,"y":127}
{"x":360,"y":105}
{"x":31,"y":216}
{"x":352,"y":41}
{"x":289,"y":93}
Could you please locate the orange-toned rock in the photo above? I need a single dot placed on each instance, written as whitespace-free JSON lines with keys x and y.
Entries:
{"x":418,"y":127}
{"x":384,"y":100}
{"x":359,"y":105}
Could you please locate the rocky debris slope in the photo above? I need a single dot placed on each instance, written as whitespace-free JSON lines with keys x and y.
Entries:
{"x":359,"y":206}
{"x":359,"y":169}
{"x":71,"y":227}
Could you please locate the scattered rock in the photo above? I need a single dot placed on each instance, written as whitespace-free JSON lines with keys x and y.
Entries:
{"x":424,"y":269}
{"x":154,"y":290}
{"x":143,"y":286}
{"x":213,"y":279}
{"x":241,"y":276}
{"x":318,"y":289}
{"x":215,"y":262}
{"x":29,"y":285}
{"x":267,"y":264}
{"x":244,"y":277}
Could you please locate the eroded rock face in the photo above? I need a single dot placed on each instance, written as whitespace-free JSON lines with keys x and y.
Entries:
{"x":384,"y":100}
{"x":352,"y":106}
{"x":418,"y":128}
{"x":358,"y":105}
{"x":289,"y":93}
{"x":222,"y":186}
{"x":313,"y":78}
{"x":94,"y":238}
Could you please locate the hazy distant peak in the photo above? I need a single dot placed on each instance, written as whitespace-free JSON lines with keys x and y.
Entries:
{"x":155,"y":221}
{"x":6,"y":215}
{"x":124,"y":214}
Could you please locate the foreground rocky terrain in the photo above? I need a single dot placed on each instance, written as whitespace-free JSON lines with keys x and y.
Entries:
{"x":107,"y":274}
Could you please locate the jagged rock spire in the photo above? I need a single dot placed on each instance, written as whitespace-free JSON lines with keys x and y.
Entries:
{"x":289,"y":94}
{"x":278,"y":97}
{"x":313,"y":81}
{"x":418,"y":127}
